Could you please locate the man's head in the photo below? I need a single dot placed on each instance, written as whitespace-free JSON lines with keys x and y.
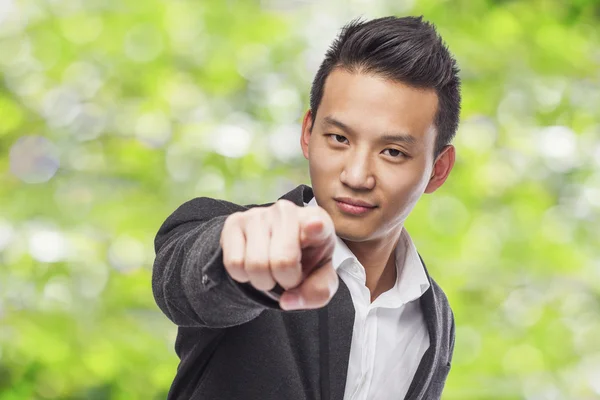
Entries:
{"x":384,"y":108}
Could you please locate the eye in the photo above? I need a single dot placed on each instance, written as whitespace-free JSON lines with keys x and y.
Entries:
{"x":338,"y":138}
{"x":395,"y":153}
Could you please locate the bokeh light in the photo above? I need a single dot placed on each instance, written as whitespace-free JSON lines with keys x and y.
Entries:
{"x":112,"y":114}
{"x":34,"y":159}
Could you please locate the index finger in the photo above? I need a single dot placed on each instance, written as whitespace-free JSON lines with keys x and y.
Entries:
{"x":315,"y":229}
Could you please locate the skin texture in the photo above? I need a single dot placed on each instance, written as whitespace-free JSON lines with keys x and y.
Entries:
{"x":286,"y":244}
{"x":348,"y":158}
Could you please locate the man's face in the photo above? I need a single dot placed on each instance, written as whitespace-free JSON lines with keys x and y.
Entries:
{"x":349,"y":155}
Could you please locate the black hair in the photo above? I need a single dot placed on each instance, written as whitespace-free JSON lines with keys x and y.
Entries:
{"x":408,"y":50}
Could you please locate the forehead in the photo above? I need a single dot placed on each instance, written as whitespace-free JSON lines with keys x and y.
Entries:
{"x":372,"y":104}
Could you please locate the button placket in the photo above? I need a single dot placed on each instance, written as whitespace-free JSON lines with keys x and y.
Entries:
{"x":371,"y":338}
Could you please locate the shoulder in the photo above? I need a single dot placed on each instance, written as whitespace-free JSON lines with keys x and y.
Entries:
{"x":442,"y":303}
{"x":203,"y":208}
{"x":207,"y":207}
{"x":445,"y":320}
{"x":439,"y":293}
{"x":438,"y":299}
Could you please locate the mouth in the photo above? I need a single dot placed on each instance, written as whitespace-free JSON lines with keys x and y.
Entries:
{"x":353,"y":206}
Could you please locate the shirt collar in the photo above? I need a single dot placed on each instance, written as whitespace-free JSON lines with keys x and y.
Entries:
{"x":411,"y":279}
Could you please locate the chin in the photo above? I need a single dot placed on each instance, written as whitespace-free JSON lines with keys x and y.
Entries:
{"x":353,"y":231}
{"x":354,"y":237}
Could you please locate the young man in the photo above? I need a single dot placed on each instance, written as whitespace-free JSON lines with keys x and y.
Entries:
{"x":256,"y":291}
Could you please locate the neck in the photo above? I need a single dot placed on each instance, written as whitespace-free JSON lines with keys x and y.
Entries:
{"x":378,"y":257}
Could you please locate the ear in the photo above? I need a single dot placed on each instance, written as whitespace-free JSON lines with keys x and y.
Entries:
{"x":305,"y":136}
{"x":441,"y":168}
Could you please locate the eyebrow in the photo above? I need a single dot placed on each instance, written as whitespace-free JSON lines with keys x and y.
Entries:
{"x":395,"y":137}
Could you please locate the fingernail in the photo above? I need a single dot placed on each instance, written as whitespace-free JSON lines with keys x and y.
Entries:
{"x":316,"y":225}
{"x":292,"y":302}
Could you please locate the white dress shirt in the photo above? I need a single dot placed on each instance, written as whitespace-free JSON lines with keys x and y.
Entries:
{"x":389,"y":336}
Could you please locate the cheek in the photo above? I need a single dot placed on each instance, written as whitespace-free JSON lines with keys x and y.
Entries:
{"x":322,"y":160}
{"x":405,"y":191}
{"x":403,"y":182}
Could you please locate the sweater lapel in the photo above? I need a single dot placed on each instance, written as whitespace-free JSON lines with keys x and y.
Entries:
{"x":431,"y":358}
{"x":340,"y":322}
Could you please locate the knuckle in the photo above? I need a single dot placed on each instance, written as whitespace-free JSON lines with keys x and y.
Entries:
{"x":233,"y":221}
{"x":283,"y":204}
{"x":248,"y":216}
{"x":284,"y":263}
{"x":227,"y":225}
{"x":235,"y":263}
{"x":256,"y":266}
{"x":258,"y":216}
{"x":284,"y":207}
{"x":235,"y":217}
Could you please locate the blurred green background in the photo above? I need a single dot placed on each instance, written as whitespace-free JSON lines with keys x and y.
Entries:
{"x":113,"y":113}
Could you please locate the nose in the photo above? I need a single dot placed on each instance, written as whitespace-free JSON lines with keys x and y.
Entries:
{"x":357,"y":173}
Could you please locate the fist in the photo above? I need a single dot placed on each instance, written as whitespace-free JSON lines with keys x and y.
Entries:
{"x":283,"y":244}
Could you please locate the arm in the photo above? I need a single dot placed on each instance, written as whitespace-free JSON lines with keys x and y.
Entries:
{"x":189,"y":281}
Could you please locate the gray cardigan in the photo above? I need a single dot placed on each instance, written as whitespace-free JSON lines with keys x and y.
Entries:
{"x":234,"y":342}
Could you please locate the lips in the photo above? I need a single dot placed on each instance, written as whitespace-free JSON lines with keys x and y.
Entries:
{"x":354,"y":207}
{"x":355,"y":202}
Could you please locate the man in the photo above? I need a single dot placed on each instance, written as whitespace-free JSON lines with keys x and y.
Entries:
{"x":255,"y":289}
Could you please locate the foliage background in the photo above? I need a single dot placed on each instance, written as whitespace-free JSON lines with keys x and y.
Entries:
{"x":113,"y":113}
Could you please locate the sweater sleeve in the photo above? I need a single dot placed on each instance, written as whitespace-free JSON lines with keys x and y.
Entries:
{"x":189,"y":282}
